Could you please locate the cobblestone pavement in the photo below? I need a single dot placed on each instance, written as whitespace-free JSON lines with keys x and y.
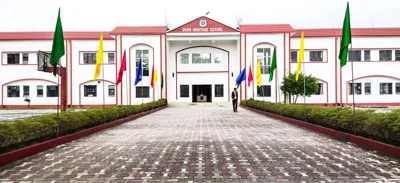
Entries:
{"x":204,"y":145}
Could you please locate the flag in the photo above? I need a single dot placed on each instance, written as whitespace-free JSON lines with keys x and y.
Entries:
{"x":99,"y":59}
{"x":58,"y":49}
{"x":122,"y":69}
{"x":273,"y":66}
{"x":152,"y":77}
{"x":301,"y":56}
{"x":139,"y":73}
{"x":162,"y":81}
{"x":155,"y":79}
{"x":346,"y":38}
{"x":258,"y":73}
{"x":250,"y":77}
{"x":241,"y":77}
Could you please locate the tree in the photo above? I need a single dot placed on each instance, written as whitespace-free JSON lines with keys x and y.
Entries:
{"x":295,"y":88}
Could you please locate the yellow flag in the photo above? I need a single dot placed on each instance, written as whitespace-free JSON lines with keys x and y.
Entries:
{"x":301,"y":56}
{"x":99,"y":60}
{"x":258,"y":73}
{"x":155,"y":78}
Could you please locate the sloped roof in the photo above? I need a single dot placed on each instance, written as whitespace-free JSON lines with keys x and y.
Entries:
{"x":266,"y":28}
{"x":49,"y":35}
{"x":337,"y":32}
{"x":139,"y":30}
{"x":211,"y":23}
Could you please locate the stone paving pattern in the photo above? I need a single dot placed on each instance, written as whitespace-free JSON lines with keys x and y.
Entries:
{"x":204,"y":145}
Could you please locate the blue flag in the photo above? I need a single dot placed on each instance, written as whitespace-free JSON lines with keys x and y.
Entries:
{"x":241,"y":77}
{"x":139,"y":73}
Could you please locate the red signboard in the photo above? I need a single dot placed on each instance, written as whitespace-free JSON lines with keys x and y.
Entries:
{"x":203,"y":25}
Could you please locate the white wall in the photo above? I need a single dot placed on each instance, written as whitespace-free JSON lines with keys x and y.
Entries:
{"x":82,"y":73}
{"x":202,"y":78}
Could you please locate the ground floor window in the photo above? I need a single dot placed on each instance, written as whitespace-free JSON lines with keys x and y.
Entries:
{"x":320,"y":89}
{"x":39,"y":90}
{"x":142,"y":92}
{"x":356,"y":89}
{"x":264,"y":91}
{"x":184,"y":91}
{"x":367,"y":88}
{"x":397,"y":88}
{"x":111,"y":90}
{"x":386,"y":88}
{"x":90,"y":90}
{"x":26,"y":91}
{"x":12,"y":91}
{"x":52,"y":91}
{"x":219,"y":90}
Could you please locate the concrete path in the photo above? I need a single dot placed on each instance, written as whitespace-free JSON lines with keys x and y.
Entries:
{"x":204,"y":145}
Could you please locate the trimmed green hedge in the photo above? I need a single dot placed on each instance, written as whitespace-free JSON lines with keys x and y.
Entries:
{"x":36,"y":129}
{"x":384,"y":127}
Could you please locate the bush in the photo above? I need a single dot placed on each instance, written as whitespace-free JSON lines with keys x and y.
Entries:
{"x":384,"y":127}
{"x":35,"y":129}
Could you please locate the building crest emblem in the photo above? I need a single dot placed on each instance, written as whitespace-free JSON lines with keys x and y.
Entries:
{"x":203,"y":23}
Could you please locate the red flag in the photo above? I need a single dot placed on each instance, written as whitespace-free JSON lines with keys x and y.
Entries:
{"x":122,"y":69}
{"x":152,"y":75}
{"x":250,"y":78}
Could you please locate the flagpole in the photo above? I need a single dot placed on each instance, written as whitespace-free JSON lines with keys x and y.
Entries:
{"x":142,"y":79}
{"x":58,"y":98}
{"x":104,"y":91}
{"x":126,"y":83}
{"x":304,"y":78}
{"x":352,"y":80}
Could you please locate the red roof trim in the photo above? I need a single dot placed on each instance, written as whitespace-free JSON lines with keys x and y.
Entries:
{"x":49,"y":36}
{"x":337,"y":32}
{"x":139,"y":30}
{"x":266,"y":28}
{"x":177,"y":28}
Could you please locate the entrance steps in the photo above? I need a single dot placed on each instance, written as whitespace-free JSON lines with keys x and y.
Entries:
{"x":199,"y":104}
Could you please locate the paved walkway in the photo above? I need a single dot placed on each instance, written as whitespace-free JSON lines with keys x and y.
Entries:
{"x":200,"y":145}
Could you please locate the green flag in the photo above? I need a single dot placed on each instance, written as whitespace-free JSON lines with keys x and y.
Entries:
{"x":162,"y":80}
{"x":273,"y":66}
{"x":346,"y":38}
{"x":58,"y":49}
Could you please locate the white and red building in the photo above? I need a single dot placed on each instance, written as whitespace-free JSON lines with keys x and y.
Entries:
{"x":200,"y":61}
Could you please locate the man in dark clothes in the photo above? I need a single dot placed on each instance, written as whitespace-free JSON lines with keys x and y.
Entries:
{"x":235,"y":99}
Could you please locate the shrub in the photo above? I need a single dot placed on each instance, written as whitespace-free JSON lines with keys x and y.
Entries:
{"x":35,"y":129}
{"x":384,"y":127}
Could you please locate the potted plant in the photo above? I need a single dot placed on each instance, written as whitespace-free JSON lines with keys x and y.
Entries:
{"x":29,"y":102}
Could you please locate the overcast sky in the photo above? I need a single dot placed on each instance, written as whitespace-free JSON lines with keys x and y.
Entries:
{"x":99,"y":15}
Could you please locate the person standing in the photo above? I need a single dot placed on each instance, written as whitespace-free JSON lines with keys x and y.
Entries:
{"x":234,"y":99}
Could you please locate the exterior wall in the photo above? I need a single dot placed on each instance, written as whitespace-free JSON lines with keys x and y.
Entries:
{"x":254,"y":41}
{"x":82,"y":74}
{"x":324,"y":71}
{"x":194,"y":74}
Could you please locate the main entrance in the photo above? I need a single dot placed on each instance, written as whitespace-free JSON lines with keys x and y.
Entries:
{"x":201,"y":93}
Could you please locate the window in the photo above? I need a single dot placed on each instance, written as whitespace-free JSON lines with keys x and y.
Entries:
{"x":111,"y":58}
{"x":52,"y":91}
{"x":367,"y":55}
{"x":219,"y":90}
{"x":218,"y":58}
{"x":26,"y":91}
{"x":316,"y":56}
{"x":184,"y":58}
{"x":397,"y":55}
{"x":264,"y":91}
{"x":204,"y":58}
{"x":39,"y":90}
{"x":25,"y":58}
{"x":13,"y":58}
{"x":356,"y":88}
{"x":320,"y":89}
{"x":355,"y":55}
{"x":184,"y":91}
{"x":385,"y":55}
{"x":264,"y":54}
{"x":111,"y":90}
{"x":293,"y":56}
{"x":367,"y":88}
{"x":89,"y":58}
{"x":142,"y":92}
{"x":90,"y":90}
{"x":397,"y":88}
{"x":12,"y":91}
{"x":385,"y":88}
{"x":144,"y":55}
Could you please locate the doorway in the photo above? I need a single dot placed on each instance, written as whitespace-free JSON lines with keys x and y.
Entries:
{"x":201,"y":93}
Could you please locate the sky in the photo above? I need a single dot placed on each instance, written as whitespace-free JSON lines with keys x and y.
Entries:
{"x":105,"y":15}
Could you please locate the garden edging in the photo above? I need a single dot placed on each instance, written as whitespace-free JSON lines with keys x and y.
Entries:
{"x":18,"y":154}
{"x":361,"y":141}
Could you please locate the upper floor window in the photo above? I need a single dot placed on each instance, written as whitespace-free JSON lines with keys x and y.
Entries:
{"x":397,"y":55}
{"x":13,"y":58}
{"x":264,"y":54}
{"x":385,"y":55}
{"x":355,"y":55}
{"x":201,"y":58}
{"x":111,"y":58}
{"x":367,"y":55}
{"x":316,"y":56}
{"x":25,"y":58}
{"x":293,"y":56}
{"x":184,"y":58}
{"x":89,"y":58}
{"x":144,"y":55}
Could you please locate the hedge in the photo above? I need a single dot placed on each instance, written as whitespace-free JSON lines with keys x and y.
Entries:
{"x":383,"y":127}
{"x":36,"y":129}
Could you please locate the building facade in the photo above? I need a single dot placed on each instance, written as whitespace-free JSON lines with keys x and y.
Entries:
{"x":199,"y":62}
